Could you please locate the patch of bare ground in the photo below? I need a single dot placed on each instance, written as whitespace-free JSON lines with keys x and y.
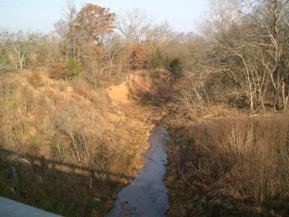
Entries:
{"x":228,"y":165}
{"x":67,"y":147}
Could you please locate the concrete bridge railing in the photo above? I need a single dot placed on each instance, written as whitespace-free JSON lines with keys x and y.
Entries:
{"x":10,"y":208}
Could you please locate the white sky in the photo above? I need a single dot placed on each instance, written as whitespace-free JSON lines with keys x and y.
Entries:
{"x":40,"y":15}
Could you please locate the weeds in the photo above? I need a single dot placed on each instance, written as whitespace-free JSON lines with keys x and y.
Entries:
{"x":45,"y":121}
{"x":232,"y":167}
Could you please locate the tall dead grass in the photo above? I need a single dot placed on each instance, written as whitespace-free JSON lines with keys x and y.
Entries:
{"x":70,"y":122}
{"x":231,"y":167}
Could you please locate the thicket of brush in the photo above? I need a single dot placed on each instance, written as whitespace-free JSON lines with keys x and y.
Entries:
{"x":230,"y":167}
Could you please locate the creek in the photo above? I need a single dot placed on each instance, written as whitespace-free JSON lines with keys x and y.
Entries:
{"x":147,"y":196}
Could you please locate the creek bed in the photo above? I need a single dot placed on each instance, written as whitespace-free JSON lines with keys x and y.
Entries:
{"x":147,"y":195}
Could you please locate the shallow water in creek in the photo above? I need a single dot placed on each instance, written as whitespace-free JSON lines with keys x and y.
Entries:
{"x":147,"y":196}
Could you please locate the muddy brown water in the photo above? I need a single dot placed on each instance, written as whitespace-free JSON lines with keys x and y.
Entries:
{"x":147,"y":195}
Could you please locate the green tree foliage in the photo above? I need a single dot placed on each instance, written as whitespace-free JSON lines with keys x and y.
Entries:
{"x":158,"y":58}
{"x":73,"y":68}
{"x":3,"y":57}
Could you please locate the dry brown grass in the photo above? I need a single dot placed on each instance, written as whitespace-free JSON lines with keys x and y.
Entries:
{"x":230,"y":167}
{"x":70,"y":122}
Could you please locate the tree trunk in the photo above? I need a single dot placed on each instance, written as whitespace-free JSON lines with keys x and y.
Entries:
{"x":251,"y":103}
{"x":284,"y":96}
{"x":277,"y":92}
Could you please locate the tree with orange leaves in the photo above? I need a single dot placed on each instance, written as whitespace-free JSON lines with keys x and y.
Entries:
{"x":138,"y":55}
{"x":88,"y":26}
{"x":93,"y":22}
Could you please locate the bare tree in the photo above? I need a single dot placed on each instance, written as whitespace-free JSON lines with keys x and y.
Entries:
{"x":21,"y":45}
{"x":270,"y":18}
{"x":249,"y":43}
{"x":134,"y":25}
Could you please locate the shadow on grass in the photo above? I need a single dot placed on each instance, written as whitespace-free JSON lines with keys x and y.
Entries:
{"x":63,"y":188}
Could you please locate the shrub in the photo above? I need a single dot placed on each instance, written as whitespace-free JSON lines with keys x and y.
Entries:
{"x":68,"y":70}
{"x":232,"y":167}
{"x":58,"y":71}
{"x":3,"y":57}
{"x":175,"y":64}
{"x":158,"y":59}
{"x":73,"y":68}
{"x":138,"y":56}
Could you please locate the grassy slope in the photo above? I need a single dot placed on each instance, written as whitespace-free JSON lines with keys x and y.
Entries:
{"x":226,"y":166}
{"x":66,"y":147}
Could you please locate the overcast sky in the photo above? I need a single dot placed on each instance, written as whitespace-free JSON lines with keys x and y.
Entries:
{"x":40,"y":15}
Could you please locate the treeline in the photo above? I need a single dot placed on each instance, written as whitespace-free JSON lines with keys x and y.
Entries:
{"x":243,"y":57}
{"x":239,"y":57}
{"x":250,"y":48}
{"x":93,"y":43}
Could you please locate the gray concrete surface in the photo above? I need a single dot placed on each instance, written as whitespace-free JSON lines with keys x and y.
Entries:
{"x":10,"y":208}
